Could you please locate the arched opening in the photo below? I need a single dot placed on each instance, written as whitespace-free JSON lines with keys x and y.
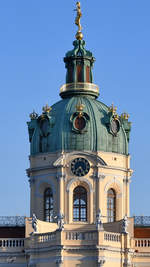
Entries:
{"x":111,"y":205}
{"x":88,"y":74}
{"x":79,"y":73}
{"x":80,"y":204}
{"x":48,"y":205}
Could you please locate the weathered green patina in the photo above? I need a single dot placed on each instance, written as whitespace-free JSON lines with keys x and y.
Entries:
{"x":79,"y":122}
{"x":58,"y":134}
{"x":79,"y":63}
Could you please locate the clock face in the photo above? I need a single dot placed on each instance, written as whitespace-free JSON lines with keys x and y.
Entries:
{"x":80,"y":166}
{"x":115,"y":126}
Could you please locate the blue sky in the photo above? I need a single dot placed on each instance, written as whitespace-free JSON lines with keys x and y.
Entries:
{"x":35,"y":35}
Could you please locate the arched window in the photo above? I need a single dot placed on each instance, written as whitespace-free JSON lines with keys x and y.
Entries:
{"x":88,"y":74}
{"x":48,"y":205}
{"x":111,"y":205}
{"x":80,"y":204}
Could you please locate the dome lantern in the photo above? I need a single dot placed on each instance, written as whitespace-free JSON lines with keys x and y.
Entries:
{"x":79,"y":64}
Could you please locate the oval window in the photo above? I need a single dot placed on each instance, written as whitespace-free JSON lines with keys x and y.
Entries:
{"x":80,"y":123}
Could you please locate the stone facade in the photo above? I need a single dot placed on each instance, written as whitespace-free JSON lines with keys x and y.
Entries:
{"x":79,"y":178}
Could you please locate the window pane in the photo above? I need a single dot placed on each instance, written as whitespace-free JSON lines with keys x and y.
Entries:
{"x":48,"y":205}
{"x":80,"y":204}
{"x":111,"y":205}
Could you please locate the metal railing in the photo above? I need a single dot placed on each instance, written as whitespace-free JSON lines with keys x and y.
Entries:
{"x":142,"y":220}
{"x":12,"y":221}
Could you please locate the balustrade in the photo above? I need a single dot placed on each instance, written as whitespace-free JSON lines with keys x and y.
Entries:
{"x":11,"y":243}
{"x":144,"y":242}
{"x":81,"y":236}
{"x":112,"y":237}
{"x":41,"y":238}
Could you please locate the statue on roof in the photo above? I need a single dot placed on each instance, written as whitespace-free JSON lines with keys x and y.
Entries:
{"x":125,"y":224}
{"x":78,"y":17}
{"x":99,"y":224}
{"x":34,"y":223}
{"x":79,"y":35}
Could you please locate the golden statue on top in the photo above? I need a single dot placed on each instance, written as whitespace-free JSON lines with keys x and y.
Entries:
{"x":79,"y":35}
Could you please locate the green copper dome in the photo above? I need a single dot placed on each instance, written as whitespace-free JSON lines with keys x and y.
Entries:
{"x":78,"y":124}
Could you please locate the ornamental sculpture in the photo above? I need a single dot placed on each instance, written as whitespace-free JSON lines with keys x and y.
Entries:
{"x":112,"y":109}
{"x":79,"y":35}
{"x":46,"y":109}
{"x":34,"y":223}
{"x":60,"y":221}
{"x":99,"y":224}
{"x":125,"y":224}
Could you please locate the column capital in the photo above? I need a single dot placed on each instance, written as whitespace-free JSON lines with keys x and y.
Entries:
{"x":98,"y":176}
{"x":60,"y":176}
{"x":101,"y":176}
{"x":126,"y":180}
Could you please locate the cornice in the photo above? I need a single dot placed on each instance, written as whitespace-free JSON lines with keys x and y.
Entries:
{"x":141,"y":254}
{"x":12,"y":254}
{"x":115,"y":168}
{"x":32,"y":170}
{"x":45,"y":249}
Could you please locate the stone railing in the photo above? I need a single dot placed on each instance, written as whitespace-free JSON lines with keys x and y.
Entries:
{"x":142,"y":242}
{"x":71,"y":235}
{"x":74,"y":237}
{"x":11,"y":242}
{"x":108,"y":236}
{"x":43,"y":240}
{"x":46,"y":237}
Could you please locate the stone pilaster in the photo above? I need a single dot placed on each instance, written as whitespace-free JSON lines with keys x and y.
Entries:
{"x":100,"y":178}
{"x":60,"y":178}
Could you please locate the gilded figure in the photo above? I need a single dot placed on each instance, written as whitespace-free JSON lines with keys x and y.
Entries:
{"x":78,"y":17}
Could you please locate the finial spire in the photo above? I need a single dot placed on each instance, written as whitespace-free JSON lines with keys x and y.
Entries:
{"x":79,"y":34}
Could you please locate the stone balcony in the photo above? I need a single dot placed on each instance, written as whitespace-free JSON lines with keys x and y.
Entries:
{"x":74,"y":238}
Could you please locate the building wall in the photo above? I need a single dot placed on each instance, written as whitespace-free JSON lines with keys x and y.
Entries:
{"x":54,"y":171}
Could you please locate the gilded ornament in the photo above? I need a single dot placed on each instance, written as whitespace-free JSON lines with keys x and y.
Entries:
{"x":125,"y":116}
{"x":79,"y":35}
{"x":113,"y":109}
{"x":47,"y":109}
{"x":79,"y":108}
{"x":33,"y":115}
{"x":116,"y":117}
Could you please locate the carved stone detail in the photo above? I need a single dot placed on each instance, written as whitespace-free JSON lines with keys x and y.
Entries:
{"x":61,"y":176}
{"x":59,"y":262}
{"x":101,"y":261}
{"x":101,"y":177}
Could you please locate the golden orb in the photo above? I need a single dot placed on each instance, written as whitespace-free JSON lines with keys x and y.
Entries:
{"x":79,"y":35}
